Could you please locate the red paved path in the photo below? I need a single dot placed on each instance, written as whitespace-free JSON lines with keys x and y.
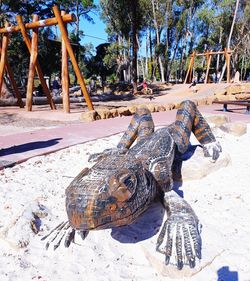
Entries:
{"x":16,"y":148}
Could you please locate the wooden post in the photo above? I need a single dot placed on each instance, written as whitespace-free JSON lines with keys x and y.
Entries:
{"x":227,"y":56}
{"x":41,"y":23}
{"x":187,"y":74}
{"x":37,"y":65}
{"x":188,"y":77}
{"x":191,"y":67}
{"x":72,"y":57}
{"x":14,"y":85}
{"x":208,"y":57}
{"x":5,"y":41}
{"x":33,"y":58}
{"x":65,"y":74}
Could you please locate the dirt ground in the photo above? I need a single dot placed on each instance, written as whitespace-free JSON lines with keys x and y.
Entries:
{"x":42,"y":116}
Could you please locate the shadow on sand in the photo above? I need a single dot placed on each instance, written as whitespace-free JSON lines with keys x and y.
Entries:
{"x":224,"y":274}
{"x":28,"y":147}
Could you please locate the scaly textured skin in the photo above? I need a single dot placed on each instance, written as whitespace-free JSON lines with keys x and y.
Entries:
{"x":124,"y":181}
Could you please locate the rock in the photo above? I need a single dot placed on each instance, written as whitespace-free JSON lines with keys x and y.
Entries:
{"x":104,"y":113}
{"x":142,"y":106}
{"x":236,"y":89}
{"x":226,"y":97}
{"x":217,"y":119}
{"x":199,"y":166}
{"x":151,"y":107}
{"x":124,"y":111}
{"x":114,"y":112}
{"x":210,"y":100}
{"x":159,"y":108}
{"x":219,"y":92}
{"x":177,"y":105}
{"x":202,"y":102}
{"x":89,"y":116}
{"x":169,"y":106}
{"x":132,"y":109}
{"x":243,"y":96}
{"x":236,"y":128}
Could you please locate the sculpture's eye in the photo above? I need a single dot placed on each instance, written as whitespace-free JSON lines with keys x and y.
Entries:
{"x":122,"y":186}
{"x":129,"y":181}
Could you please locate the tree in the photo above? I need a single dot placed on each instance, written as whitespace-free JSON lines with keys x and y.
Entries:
{"x":230,"y":36}
{"x":115,"y":12}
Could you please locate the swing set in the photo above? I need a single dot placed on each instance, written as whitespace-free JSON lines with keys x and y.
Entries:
{"x":208,"y":55}
{"x":61,"y":19}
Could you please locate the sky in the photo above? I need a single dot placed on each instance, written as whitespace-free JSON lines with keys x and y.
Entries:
{"x":94,"y":33}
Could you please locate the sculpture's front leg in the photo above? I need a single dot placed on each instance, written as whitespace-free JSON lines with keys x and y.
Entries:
{"x":181,"y":228}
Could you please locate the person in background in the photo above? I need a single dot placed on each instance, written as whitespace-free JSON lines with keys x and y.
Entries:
{"x":214,"y":77}
{"x":193,"y":85}
{"x":218,"y":77}
{"x":56,"y":86}
{"x":145,"y":89}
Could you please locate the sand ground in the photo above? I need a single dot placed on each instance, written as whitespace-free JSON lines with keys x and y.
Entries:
{"x":221,"y":201}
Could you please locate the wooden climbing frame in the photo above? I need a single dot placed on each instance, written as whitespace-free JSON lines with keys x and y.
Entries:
{"x":60,"y":19}
{"x":208,"y":55}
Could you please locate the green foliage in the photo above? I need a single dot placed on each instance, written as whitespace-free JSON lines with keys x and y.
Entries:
{"x":183,"y":26}
{"x":49,"y":54}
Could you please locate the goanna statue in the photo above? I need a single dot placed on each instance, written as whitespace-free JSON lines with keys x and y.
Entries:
{"x":125,"y":180}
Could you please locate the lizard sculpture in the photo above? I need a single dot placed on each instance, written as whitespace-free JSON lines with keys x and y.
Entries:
{"x":124,"y":182}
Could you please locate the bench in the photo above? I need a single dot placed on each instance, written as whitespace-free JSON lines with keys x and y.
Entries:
{"x":240,"y":103}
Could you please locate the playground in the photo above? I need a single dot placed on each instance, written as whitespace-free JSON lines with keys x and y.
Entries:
{"x":50,"y":123}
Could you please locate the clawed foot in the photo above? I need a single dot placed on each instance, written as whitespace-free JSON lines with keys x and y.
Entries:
{"x":58,"y":233}
{"x":183,"y":240}
{"x":213,"y":150}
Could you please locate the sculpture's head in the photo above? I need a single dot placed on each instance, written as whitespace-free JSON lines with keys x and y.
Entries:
{"x":110,"y":194}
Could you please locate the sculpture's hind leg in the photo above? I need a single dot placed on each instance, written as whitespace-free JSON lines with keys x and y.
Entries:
{"x":141,"y":126}
{"x":189,"y":119}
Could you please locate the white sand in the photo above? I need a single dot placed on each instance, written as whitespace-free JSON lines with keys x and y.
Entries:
{"x":221,"y":200}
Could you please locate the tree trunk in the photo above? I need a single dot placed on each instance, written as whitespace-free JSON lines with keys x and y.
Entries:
{"x":77,"y":36}
{"x":161,"y":69}
{"x":135,"y":46}
{"x":146,"y":59}
{"x":151,"y":56}
{"x":174,"y":54}
{"x":230,"y":36}
{"x":218,"y":56}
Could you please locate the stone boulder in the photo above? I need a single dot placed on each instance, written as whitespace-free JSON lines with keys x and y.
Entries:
{"x":217,"y":119}
{"x":220,"y":92}
{"x":89,"y":116}
{"x":236,"y":89}
{"x":114,"y":112}
{"x":124,"y":111}
{"x":236,"y":128}
{"x":104,"y":113}
{"x":225,"y":97}
{"x":199,"y":166}
{"x":151,"y":107}
{"x":243,"y":96}
{"x":132,"y":109}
